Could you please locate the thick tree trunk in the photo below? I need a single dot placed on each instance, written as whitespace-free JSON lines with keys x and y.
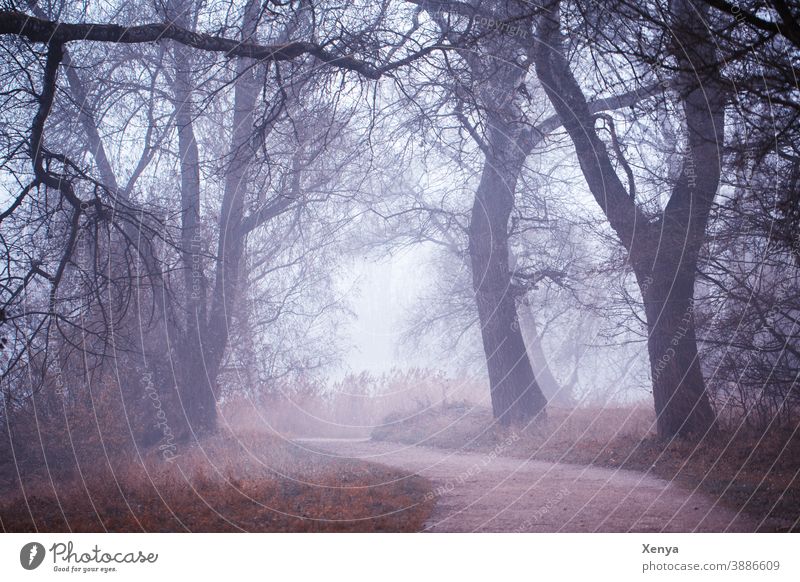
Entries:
{"x":195,"y":383}
{"x":230,"y":248}
{"x":207,"y":330}
{"x":516,"y":397}
{"x":498,"y":76}
{"x":662,"y":251}
{"x":196,"y":389}
{"x":681,"y":402}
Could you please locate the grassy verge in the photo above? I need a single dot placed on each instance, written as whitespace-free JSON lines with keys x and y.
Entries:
{"x":756,"y":472}
{"x":246,"y":482}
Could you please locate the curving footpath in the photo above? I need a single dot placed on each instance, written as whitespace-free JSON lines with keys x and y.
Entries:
{"x":479,"y":492}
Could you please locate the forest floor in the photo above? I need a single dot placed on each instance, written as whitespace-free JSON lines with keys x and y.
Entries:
{"x":617,"y":475}
{"x":247,"y":482}
{"x":445,"y":468}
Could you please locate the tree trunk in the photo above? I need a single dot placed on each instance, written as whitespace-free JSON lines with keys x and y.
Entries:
{"x":681,"y":402}
{"x":195,"y":383}
{"x":662,"y":251}
{"x":207,"y":330}
{"x":498,"y":76}
{"x":230,"y":248}
{"x":196,"y":388}
{"x":516,"y":397}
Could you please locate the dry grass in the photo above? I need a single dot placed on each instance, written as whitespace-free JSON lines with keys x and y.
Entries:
{"x":749,"y":471}
{"x":243,"y":482}
{"x":78,"y":467}
{"x":350,"y":407}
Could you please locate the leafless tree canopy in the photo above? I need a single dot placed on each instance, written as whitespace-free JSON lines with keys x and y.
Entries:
{"x":606,"y":191}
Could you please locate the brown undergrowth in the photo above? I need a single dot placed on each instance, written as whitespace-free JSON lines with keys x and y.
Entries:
{"x":242,"y":482}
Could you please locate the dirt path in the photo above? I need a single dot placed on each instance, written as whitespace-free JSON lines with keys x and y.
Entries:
{"x":486,"y":492}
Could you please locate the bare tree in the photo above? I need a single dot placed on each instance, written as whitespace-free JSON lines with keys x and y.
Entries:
{"x":662,"y":250}
{"x":197,"y":306}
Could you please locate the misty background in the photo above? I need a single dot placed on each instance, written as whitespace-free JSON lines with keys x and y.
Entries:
{"x":421,"y":221}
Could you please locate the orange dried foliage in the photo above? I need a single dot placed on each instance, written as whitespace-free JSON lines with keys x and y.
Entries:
{"x":228,"y":483}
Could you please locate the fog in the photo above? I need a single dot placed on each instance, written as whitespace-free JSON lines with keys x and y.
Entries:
{"x":358,"y":263}
{"x":382,"y":292}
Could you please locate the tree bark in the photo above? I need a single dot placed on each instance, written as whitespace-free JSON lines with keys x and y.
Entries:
{"x":663,"y":251}
{"x":515,"y":394}
{"x":230,"y":248}
{"x":681,"y":401}
{"x":195,"y":383}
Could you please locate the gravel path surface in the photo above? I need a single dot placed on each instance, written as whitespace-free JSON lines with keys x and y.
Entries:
{"x":490,"y":493}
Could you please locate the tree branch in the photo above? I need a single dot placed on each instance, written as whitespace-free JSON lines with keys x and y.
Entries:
{"x":57,"y":33}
